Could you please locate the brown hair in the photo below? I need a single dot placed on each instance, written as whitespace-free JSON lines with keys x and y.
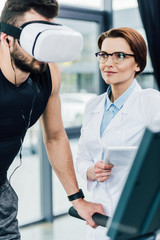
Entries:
{"x":135,"y":41}
{"x":14,"y":10}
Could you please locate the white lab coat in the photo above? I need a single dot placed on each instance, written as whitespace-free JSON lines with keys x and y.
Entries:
{"x":141,"y":110}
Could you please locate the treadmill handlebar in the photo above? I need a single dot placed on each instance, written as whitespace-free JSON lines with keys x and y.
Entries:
{"x":99,"y":219}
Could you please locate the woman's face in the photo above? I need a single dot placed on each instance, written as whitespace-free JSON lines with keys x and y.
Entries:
{"x":121,"y":73}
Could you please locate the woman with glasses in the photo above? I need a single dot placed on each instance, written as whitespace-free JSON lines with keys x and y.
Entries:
{"x":117,"y":118}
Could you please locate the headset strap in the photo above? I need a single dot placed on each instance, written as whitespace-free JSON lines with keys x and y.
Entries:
{"x":10,"y":30}
{"x":16,"y":32}
{"x":42,"y":22}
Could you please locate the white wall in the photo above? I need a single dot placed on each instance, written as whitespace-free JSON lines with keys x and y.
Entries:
{"x":2,"y":5}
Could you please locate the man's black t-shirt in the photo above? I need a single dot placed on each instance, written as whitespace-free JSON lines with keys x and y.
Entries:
{"x":20,"y":108}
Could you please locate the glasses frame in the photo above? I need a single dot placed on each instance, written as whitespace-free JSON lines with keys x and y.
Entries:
{"x":111,"y":54}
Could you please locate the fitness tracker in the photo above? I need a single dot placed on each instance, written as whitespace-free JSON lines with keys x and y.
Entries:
{"x":76,"y":195}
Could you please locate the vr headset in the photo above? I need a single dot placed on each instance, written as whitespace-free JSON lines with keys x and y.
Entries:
{"x":46,"y":41}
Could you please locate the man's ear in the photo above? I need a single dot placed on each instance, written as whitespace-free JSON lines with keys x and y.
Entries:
{"x":6,"y":39}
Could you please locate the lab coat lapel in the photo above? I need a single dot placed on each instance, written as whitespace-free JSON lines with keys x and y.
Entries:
{"x":119,"y":118}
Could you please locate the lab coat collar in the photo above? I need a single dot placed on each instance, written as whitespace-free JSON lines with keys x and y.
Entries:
{"x":122,"y":99}
{"x":118,"y":118}
{"x":100,"y":105}
{"x":120,"y":103}
{"x":123,"y":112}
{"x":129,"y":100}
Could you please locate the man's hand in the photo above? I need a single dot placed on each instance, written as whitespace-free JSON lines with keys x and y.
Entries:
{"x":87,"y":209}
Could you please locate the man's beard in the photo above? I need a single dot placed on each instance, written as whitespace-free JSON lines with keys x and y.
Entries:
{"x":22,"y":63}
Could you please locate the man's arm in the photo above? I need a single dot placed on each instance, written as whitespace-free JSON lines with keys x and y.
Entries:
{"x":58,"y":149}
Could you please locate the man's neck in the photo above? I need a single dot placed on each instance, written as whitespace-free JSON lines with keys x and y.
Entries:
{"x":11,"y":73}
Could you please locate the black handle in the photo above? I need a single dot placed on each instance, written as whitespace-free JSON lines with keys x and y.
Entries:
{"x":99,"y":219}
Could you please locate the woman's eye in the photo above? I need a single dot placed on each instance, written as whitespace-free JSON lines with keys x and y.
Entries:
{"x":104,"y":56}
{"x":120,"y":55}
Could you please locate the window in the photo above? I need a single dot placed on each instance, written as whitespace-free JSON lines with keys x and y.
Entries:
{"x":97,"y":4}
{"x":2,"y":5}
{"x":80,"y":77}
{"x":124,"y":4}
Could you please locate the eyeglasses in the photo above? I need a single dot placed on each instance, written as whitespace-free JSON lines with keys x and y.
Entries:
{"x":117,"y":57}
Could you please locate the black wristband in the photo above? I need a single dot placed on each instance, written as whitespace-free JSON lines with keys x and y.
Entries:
{"x":76,"y":195}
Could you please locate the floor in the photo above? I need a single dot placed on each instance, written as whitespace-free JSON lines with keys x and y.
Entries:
{"x":63,"y":228}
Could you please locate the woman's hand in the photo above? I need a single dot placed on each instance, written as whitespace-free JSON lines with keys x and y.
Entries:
{"x":100,"y":171}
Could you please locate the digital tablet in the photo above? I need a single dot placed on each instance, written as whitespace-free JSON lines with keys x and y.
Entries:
{"x":120,"y":155}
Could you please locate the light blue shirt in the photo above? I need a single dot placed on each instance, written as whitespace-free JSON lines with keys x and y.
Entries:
{"x":111,"y":109}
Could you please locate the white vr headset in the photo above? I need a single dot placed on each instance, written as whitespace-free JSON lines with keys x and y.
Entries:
{"x":46,"y":41}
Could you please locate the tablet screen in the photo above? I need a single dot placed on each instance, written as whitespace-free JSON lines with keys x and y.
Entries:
{"x":120,"y":155}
